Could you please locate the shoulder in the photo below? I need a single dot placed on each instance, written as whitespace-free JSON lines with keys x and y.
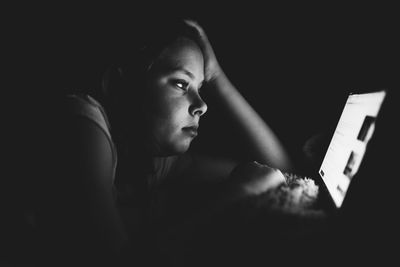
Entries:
{"x":87,"y":107}
{"x":82,"y":129}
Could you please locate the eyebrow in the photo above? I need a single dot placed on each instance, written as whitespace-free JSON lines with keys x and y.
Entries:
{"x":188,"y":73}
{"x":177,"y":67}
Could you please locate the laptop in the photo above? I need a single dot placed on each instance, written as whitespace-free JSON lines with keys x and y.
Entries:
{"x":349,"y":145}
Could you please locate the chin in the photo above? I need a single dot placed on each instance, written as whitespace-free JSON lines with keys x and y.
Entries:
{"x":180,"y":148}
{"x":175,"y":149}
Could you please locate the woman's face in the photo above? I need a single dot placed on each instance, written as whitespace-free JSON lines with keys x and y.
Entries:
{"x":175,"y":105}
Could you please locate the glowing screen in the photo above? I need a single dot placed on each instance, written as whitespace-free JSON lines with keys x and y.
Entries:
{"x":349,"y":142}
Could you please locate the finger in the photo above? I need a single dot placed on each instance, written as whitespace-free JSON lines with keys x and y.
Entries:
{"x":195,"y":25}
{"x":191,"y":22}
{"x":282,"y":176}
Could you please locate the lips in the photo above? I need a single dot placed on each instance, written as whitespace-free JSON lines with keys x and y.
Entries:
{"x":191,"y":130}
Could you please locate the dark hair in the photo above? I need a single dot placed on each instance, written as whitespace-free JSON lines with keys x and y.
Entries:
{"x":136,"y":55}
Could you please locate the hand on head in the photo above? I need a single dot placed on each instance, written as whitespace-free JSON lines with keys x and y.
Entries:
{"x":211,"y":66}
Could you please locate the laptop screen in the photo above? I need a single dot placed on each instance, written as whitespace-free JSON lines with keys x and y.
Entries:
{"x":349,"y":142}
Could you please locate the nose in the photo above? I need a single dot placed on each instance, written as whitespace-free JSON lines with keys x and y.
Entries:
{"x":198,"y":106}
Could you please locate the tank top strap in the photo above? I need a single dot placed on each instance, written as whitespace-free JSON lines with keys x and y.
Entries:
{"x":88,"y":107}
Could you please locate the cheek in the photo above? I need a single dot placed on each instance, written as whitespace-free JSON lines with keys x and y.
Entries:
{"x":169,"y":113}
{"x":167,"y":108}
{"x":160,"y":101}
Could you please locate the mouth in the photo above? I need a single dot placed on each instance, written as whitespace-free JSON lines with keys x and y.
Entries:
{"x":191,"y":130}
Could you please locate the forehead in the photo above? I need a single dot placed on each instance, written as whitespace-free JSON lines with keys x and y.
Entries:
{"x":182,"y":53}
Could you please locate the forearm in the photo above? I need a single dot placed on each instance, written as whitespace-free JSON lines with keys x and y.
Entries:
{"x":264,"y":144}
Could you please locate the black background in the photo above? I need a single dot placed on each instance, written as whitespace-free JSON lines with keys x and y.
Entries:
{"x":295,"y":64}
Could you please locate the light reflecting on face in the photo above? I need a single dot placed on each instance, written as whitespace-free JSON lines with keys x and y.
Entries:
{"x":175,"y":105}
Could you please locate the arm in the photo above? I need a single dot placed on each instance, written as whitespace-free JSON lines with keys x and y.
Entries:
{"x":84,"y":223}
{"x":231,"y":179}
{"x":265,"y":146}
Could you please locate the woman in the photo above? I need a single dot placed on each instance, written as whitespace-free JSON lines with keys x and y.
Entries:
{"x":150,"y":108}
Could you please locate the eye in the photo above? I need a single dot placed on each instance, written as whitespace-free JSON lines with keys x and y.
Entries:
{"x":181,"y":84}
